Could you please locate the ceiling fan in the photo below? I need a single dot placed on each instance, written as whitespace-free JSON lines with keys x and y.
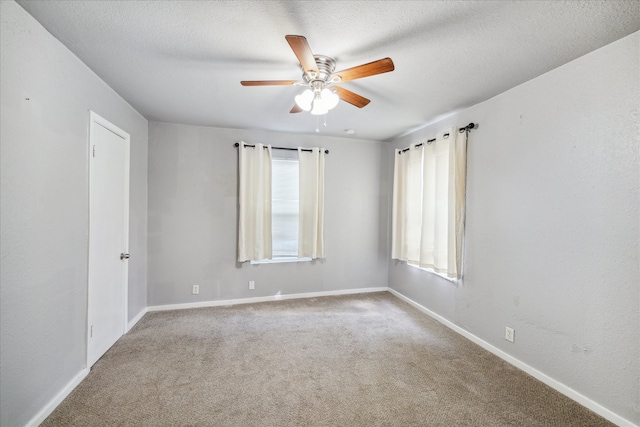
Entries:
{"x":321,"y":79}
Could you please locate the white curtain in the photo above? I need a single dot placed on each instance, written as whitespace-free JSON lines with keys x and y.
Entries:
{"x":407,"y":205}
{"x":428,"y":203}
{"x":311,"y":197}
{"x":254,"y":222}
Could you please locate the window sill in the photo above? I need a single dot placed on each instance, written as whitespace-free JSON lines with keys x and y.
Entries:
{"x":430,"y":270}
{"x":280,"y":260}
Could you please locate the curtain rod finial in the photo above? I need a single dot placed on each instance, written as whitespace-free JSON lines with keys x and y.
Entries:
{"x":468,"y":127}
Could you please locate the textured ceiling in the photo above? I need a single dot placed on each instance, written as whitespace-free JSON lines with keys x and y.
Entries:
{"x":182,"y":61}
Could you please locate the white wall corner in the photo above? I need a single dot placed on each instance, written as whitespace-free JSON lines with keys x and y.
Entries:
{"x":136,"y":319}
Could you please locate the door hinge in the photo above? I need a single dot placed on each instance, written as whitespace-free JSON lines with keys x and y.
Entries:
{"x":91,"y":332}
{"x":94,"y":151}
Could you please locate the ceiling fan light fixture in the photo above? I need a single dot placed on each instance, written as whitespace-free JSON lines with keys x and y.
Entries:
{"x":319,"y":107}
{"x":324,"y":100}
{"x":305,"y":99}
{"x":330,"y":98}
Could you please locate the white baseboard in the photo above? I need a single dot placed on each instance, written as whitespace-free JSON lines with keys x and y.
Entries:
{"x":136,"y":319}
{"x":53,"y":403}
{"x":551,"y":382}
{"x":277,"y":297}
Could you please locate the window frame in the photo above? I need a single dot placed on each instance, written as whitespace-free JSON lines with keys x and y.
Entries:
{"x":284,"y":155}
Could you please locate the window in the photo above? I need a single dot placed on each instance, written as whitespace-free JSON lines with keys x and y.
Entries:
{"x":285,"y":209}
{"x":281,"y":204}
{"x":428,"y":204}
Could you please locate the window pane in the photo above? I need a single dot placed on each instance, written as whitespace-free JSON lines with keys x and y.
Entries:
{"x":284,"y":215}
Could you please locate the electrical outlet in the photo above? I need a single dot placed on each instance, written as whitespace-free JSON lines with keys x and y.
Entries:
{"x":252,"y":284}
{"x":509,"y":334}
{"x":195,"y":290}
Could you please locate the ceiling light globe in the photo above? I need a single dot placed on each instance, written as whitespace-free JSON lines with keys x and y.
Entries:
{"x":330,"y":98}
{"x":304,"y":100}
{"x":319,"y":108}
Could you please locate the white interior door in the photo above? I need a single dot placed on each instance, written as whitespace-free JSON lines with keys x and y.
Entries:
{"x":108,"y":236}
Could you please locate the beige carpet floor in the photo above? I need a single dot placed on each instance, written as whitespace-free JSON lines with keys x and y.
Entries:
{"x":361,"y":360}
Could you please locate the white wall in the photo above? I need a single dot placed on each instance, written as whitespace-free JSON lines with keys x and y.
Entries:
{"x":553,"y":227}
{"x":193,"y":217}
{"x":44,"y":211}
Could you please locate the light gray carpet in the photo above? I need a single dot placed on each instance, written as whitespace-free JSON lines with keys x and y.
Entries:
{"x":362,"y":360}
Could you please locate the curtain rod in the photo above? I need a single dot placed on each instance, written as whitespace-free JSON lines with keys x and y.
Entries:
{"x":280,"y":148}
{"x":466,"y":128}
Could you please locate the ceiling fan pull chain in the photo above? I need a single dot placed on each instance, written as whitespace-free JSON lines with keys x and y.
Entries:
{"x":325,"y":120}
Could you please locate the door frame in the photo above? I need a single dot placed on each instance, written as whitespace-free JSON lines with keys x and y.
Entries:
{"x":97,"y":120}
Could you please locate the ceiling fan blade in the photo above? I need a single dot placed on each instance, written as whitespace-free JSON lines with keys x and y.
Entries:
{"x":268,"y":82}
{"x":303,"y":52}
{"x":351,"y":98}
{"x":296,"y":109}
{"x":371,"y":69}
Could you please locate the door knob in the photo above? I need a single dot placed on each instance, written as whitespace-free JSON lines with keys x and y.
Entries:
{"x":124,"y":256}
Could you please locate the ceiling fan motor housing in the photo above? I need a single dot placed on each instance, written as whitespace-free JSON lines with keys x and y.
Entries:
{"x":326,"y":67}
